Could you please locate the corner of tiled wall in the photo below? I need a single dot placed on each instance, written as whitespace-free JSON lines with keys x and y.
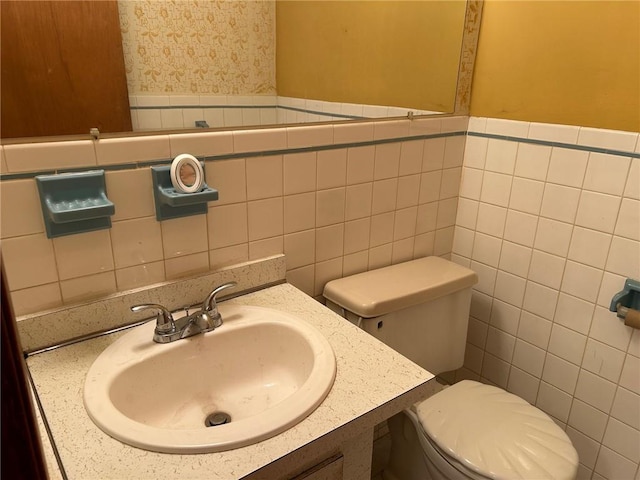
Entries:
{"x":549,"y":218}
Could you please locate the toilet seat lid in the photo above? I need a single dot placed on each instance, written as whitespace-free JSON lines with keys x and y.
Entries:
{"x":496,"y":434}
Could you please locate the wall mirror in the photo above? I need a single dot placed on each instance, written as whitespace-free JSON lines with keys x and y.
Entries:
{"x":145,"y":65}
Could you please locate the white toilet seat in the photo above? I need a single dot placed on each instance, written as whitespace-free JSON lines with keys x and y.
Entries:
{"x":484,"y":432}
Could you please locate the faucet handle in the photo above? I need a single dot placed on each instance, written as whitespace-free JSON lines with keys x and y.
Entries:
{"x":210,"y":306}
{"x":164,"y":319}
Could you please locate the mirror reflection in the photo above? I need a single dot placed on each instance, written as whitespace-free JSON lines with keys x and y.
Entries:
{"x":228,"y":63}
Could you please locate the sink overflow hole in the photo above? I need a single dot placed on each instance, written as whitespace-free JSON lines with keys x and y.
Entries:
{"x":216,"y":419}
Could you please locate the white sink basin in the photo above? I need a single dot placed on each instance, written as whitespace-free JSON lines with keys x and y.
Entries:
{"x":266,"y":369}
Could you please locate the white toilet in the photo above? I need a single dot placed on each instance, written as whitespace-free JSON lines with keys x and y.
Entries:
{"x":468,"y":430}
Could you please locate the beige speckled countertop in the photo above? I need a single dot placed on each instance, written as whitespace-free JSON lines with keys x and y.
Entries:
{"x":372,"y":383}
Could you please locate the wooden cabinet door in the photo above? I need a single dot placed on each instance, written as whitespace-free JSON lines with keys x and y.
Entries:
{"x":62,"y":69}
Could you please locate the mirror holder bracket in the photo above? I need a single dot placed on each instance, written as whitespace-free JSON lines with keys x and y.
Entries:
{"x":172,"y":204}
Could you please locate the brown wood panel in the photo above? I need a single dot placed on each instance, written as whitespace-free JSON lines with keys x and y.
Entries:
{"x":62,"y":68}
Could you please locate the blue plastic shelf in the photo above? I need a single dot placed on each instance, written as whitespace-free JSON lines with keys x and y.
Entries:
{"x":74,"y":203}
{"x":173,"y":204}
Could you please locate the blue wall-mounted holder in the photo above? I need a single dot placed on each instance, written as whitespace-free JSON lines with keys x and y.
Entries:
{"x":629,"y":297}
{"x":173,"y":204}
{"x":74,"y":203}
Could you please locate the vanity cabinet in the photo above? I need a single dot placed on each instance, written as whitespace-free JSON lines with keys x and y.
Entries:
{"x":330,"y":469}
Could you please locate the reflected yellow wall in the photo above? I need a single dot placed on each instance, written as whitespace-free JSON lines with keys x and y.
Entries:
{"x":401,"y":53}
{"x":564,"y":62}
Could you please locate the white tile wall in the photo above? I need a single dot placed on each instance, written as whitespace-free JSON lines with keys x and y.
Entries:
{"x":564,"y":226}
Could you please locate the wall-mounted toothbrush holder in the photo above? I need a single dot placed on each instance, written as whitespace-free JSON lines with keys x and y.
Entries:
{"x":173,"y":204}
{"x":74,"y":203}
{"x":626,"y":303}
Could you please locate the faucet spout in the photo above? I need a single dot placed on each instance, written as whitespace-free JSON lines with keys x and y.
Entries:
{"x":210,"y":306}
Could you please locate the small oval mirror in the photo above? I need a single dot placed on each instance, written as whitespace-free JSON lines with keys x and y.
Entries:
{"x":187,"y":174}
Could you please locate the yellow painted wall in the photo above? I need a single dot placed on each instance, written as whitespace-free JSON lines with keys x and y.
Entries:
{"x":400,"y":53}
{"x":563,"y":62}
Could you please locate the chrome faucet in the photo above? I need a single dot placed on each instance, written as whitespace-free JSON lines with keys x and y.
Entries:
{"x":203,"y":320}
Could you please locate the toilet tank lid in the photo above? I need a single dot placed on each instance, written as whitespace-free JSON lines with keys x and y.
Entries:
{"x":497,"y":434}
{"x":385,"y":290}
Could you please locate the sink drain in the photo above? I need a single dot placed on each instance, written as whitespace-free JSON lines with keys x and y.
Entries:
{"x":216,"y":419}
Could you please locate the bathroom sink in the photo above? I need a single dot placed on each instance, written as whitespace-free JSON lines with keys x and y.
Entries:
{"x":257,"y":375}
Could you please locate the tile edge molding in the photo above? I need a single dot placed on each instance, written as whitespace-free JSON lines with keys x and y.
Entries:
{"x":43,"y":329}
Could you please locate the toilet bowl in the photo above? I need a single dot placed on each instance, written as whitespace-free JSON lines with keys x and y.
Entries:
{"x":468,"y":430}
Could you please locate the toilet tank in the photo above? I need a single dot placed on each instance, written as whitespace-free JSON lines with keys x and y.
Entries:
{"x":419,"y":308}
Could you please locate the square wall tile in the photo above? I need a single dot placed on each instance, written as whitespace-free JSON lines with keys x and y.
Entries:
{"x":140,"y":275}
{"x":561,"y":374}
{"x":560,"y":203}
{"x":266,"y":247}
{"x":612,"y":465}
{"x":546,"y":269}
{"x":486,"y":279}
{"x":500,"y":344}
{"x":491,"y":220}
{"x":623,"y":439}
{"x":447,"y":210}
{"x":302,"y":278}
{"x":27,"y":219}
{"x":567,"y":344}
{"x":553,"y":401}
{"x":567,"y":167}
{"x":606,"y":328}
{"x":624,"y":257}
{"x":515,"y":259}
{"x":597,"y":211}
{"x":227,"y":225}
{"x":453,"y":151}
{"x":36,"y":299}
{"x":266,"y":218}
{"x":381,"y":229}
{"x":443,"y":242}
{"x":630,"y":377}
{"x":632,"y":189}
{"x":356,"y":235}
{"x":299,"y":212}
{"x":136,"y":242}
{"x":587,"y":450}
{"x":532,"y":161}
{"x":613,"y":139}
{"x":510,"y":288}
{"x":83,"y":254}
{"x":352,"y":132}
{"x":529,"y":358}
{"x":29,"y":261}
{"x":554,"y":133}
{"x":512,"y":128}
{"x":325,"y":272}
{"x":411,"y":157}
{"x":300,"y":249}
{"x":471,"y":183}
{"x":534,"y":329}
{"x":259,"y":140}
{"x":331,"y":168}
{"x":595,"y":391}
{"x":486,"y":249}
{"x":463,"y":240}
{"x":606,"y":173}
{"x":131,"y":191}
{"x":402,"y":250}
{"x":603,"y":360}
{"x":264,"y":177}
{"x":299,"y":172}
{"x":223,"y":257}
{"x":581,"y":281}
{"x":430,"y":187}
{"x":496,"y":188}
{"x":553,"y":237}
{"x":540,"y":300}
{"x":111,"y":151}
{"x":360,"y":164}
{"x":330,"y":206}
{"x":625,"y":408}
{"x":495,"y":370}
{"x":329,"y":242}
{"x":433,"y":154}
{"x":589,"y":247}
{"x":187,"y":265}
{"x":523,"y":385}
{"x":628,"y":223}
{"x":501,"y":156}
{"x":408,"y":191}
{"x":526,"y":195}
{"x":89,"y":287}
{"x":505,"y":317}
{"x":466,"y":216}
{"x":306,"y":136}
{"x":385,"y":193}
{"x":475,"y":152}
{"x":520,"y":228}
{"x":387,"y":160}
{"x":574,"y":313}
{"x":229,"y":178}
{"x":380,"y":256}
{"x":184,"y":236}
{"x":405,"y":223}
{"x":355,"y":263}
